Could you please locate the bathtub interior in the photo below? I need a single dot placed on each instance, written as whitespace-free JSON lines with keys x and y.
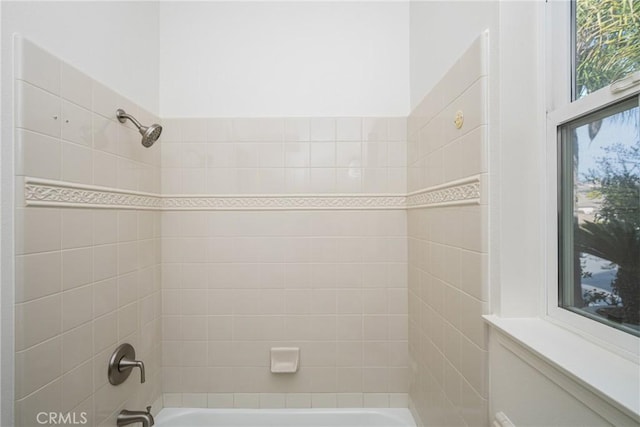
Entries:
{"x":357,"y":417}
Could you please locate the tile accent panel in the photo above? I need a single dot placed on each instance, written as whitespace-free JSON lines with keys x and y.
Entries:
{"x":86,"y":279}
{"x":448,"y":248}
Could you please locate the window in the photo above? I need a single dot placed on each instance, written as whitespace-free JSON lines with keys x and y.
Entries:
{"x":600,"y":215}
{"x":594,"y":135}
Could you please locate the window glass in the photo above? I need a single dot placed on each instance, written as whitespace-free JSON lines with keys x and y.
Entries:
{"x":607,"y":43}
{"x":599,"y":241}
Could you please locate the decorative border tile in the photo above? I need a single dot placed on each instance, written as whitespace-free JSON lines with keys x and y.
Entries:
{"x":284,"y":202}
{"x":40,"y":192}
{"x":463,"y":192}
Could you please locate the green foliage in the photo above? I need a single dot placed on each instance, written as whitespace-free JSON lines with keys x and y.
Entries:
{"x":607,"y":42}
{"x":593,"y":296}
{"x":615,"y":234}
{"x":617,"y":184}
{"x":618,"y":242}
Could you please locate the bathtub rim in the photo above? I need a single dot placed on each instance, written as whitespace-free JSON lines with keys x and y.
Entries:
{"x":400,"y":414}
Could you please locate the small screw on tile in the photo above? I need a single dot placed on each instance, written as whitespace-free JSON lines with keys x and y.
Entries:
{"x":55,"y":117}
{"x":66,"y":121}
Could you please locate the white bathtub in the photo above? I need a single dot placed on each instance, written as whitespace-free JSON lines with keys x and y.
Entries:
{"x":186,"y":417}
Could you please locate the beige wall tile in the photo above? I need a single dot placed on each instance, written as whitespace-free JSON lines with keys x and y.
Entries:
{"x":37,"y":230}
{"x":220,"y":400}
{"x":105,"y":332}
{"x":46,"y":399}
{"x":77,"y":163}
{"x":350,"y":400}
{"x":219,"y":130}
{"x":75,"y":86}
{"x":246,"y":400}
{"x":105,"y":101}
{"x":323,"y":400}
{"x":376,"y":400}
{"x":77,"y":267}
{"x":76,"y":386}
{"x":37,"y":366}
{"x":57,"y":282}
{"x":298,"y":400}
{"x":38,"y":275}
{"x":272,"y":400}
{"x":323,"y":129}
{"x":77,"y":307}
{"x":375,"y":129}
{"x":76,"y":124}
{"x":37,"y":321}
{"x":37,"y":155}
{"x":296,"y":129}
{"x":38,"y":67}
{"x":194,"y":400}
{"x":105,"y":297}
{"x":37,"y":110}
{"x":349,"y":129}
{"x":447,"y":252}
{"x":75,"y":350}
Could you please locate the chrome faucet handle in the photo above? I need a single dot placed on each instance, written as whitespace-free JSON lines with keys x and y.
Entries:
{"x":126,"y":364}
{"x":148,"y":409}
{"x":121,"y":363}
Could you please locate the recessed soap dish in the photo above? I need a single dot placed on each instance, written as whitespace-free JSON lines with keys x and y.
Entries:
{"x":285,"y":360}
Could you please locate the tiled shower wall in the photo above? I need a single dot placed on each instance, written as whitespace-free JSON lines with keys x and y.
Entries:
{"x":86,"y":279}
{"x":448,"y":249}
{"x":332,"y":282}
{"x":284,"y":155}
{"x":236,"y":282}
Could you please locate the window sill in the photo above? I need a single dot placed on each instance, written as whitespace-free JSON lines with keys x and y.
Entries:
{"x":618,"y":383}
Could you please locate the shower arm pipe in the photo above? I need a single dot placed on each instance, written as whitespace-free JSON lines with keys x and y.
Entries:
{"x":123,"y":116}
{"x":150,"y":134}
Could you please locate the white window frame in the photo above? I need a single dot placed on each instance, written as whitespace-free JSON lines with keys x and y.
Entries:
{"x":561,"y":110}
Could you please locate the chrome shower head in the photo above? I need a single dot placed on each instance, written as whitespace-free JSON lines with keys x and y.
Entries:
{"x":150,"y":134}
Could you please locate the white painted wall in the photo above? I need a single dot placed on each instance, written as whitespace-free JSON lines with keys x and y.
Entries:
{"x":115,"y":43}
{"x":284,"y":59}
{"x":518,"y":160}
{"x":440,"y":32}
{"x":3,"y":401}
{"x":532,"y":392}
